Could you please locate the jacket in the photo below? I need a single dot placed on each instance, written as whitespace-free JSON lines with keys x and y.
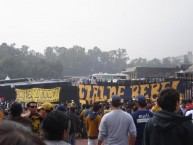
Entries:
{"x":168,"y":128}
{"x":92,"y":124}
{"x":75,"y":123}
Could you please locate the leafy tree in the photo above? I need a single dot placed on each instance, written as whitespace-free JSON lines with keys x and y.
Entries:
{"x":154,"y":63}
{"x":138,"y":62}
{"x":59,"y":61}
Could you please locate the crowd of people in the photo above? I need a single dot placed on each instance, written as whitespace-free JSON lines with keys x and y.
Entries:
{"x":138,"y":122}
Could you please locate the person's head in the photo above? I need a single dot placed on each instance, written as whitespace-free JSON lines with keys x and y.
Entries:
{"x":183,"y":103}
{"x":45,"y":108}
{"x":16,"y":109}
{"x":55,"y":125}
{"x":169,"y":99}
{"x":72,"y":108}
{"x":32,"y":105}
{"x":115,"y":101}
{"x":62,"y":108}
{"x":13,"y":133}
{"x":141,"y":101}
{"x":87,"y":106}
{"x":96,"y":107}
{"x":83,"y":106}
{"x":189,"y":101}
{"x":107,"y":106}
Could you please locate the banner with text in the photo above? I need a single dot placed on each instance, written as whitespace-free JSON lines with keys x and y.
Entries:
{"x":102,"y":93}
{"x":38,"y":95}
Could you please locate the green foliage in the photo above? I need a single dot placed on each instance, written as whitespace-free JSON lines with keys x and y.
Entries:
{"x":57,"y":62}
{"x":20,"y":62}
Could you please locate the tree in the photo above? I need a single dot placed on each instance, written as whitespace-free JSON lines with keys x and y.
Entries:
{"x":50,"y":54}
{"x":154,"y":63}
{"x":119,"y":59}
{"x":24,"y":50}
{"x":166,"y":62}
{"x":138,"y":62}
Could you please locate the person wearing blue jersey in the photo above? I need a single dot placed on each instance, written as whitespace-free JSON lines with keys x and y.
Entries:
{"x":140,"y":117}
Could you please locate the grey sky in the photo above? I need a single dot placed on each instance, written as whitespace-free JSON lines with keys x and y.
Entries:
{"x":146,"y":28}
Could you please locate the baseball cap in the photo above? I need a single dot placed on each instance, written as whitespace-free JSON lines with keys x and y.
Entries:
{"x":116,"y":99}
{"x":47,"y":106}
{"x":61,"y":107}
{"x":141,"y":98}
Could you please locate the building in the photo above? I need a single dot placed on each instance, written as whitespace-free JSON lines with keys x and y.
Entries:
{"x":190,"y":57}
{"x":186,"y":59}
{"x":190,"y":69}
{"x":145,"y":72}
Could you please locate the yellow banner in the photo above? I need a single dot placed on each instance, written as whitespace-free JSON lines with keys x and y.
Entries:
{"x":93,"y":93}
{"x":38,"y":95}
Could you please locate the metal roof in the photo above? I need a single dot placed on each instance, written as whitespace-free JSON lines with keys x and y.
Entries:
{"x":131,"y":69}
{"x":189,"y":70}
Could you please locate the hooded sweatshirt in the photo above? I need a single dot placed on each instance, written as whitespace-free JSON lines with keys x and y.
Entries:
{"x":93,"y":115}
{"x":92,"y":124}
{"x":168,"y":128}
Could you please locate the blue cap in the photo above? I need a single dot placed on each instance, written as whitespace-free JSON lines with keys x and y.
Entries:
{"x":141,"y":98}
{"x":61,"y":108}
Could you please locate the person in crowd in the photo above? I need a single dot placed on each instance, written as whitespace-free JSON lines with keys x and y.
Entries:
{"x":106,"y":109}
{"x":156,"y":107}
{"x":62,"y":108}
{"x":189,"y":105}
{"x":45,"y":108}
{"x":92,"y":124}
{"x":140,"y":117}
{"x":75,"y":125}
{"x":189,"y":113}
{"x":129,"y":107}
{"x":32,"y":113}
{"x":13,"y":133}
{"x":83,"y":117}
{"x":149,"y":104}
{"x":167,"y":127}
{"x":43,"y":111}
{"x":1,"y":114}
{"x":55,"y":126}
{"x":183,"y":107}
{"x":15,"y":115}
{"x":135,"y":107}
{"x":189,"y":109}
{"x":117,"y":127}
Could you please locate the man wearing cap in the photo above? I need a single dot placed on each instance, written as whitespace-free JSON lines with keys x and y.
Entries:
{"x":45,"y":108}
{"x":117,"y":127}
{"x":140,"y":117}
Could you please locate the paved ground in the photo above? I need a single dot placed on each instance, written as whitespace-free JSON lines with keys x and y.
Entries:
{"x":81,"y":142}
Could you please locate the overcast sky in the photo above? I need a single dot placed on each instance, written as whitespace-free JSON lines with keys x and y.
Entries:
{"x":146,"y":28}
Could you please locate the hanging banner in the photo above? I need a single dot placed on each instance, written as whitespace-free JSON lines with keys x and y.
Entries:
{"x":38,"y":95}
{"x":102,"y":93}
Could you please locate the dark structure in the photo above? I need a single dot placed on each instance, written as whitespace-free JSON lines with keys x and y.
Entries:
{"x":67,"y":92}
{"x":145,"y":72}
